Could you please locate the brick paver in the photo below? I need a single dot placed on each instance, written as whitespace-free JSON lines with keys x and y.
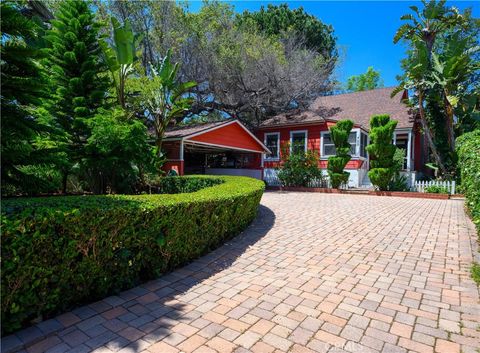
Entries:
{"x":313,"y":273}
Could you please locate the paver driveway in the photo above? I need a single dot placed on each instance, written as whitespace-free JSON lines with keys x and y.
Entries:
{"x":315,"y":272}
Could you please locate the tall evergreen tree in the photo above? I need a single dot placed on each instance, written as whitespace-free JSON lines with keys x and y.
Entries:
{"x":22,"y":87}
{"x":78,"y":75}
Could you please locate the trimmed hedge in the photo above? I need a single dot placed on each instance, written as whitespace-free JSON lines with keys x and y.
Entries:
{"x":177,"y":185}
{"x":58,"y":252}
{"x":468,"y":149}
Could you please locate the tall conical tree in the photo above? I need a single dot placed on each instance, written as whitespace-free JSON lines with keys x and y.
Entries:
{"x":22,"y":87}
{"x":79,"y":76}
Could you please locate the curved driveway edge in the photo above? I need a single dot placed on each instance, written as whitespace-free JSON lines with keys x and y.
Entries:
{"x":313,"y":273}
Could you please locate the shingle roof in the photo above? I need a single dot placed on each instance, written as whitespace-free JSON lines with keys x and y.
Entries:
{"x":182,"y":131}
{"x":357,"y":106}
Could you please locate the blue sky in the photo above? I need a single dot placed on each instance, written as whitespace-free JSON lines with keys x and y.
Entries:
{"x":364,"y":29}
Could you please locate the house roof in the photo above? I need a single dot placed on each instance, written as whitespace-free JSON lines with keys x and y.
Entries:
{"x":187,"y":130}
{"x":358,"y":107}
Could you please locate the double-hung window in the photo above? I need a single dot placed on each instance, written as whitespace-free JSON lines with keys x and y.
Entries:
{"x":272,"y":141}
{"x":357,"y":139}
{"x":298,"y":142}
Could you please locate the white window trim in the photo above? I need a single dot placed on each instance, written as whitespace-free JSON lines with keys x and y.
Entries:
{"x":296,"y":132}
{"x":266,"y":157}
{"x":358,"y":133}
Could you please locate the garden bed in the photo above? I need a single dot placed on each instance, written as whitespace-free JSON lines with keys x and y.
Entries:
{"x":59,"y":252}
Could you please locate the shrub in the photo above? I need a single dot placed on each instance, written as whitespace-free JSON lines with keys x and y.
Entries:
{"x":436,"y":189}
{"x":300,"y":169}
{"x":468,"y":149}
{"x":336,"y":164}
{"x":381,"y":151}
{"x":62,"y":251}
{"x":177,"y":185}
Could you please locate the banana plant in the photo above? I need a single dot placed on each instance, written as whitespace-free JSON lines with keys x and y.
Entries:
{"x":121,"y":57}
{"x":163,"y":96}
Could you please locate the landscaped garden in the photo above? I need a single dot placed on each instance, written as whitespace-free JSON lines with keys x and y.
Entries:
{"x":91,"y":207}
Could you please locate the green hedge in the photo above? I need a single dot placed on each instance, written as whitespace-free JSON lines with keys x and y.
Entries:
{"x":58,"y":252}
{"x":177,"y":185}
{"x":468,"y":149}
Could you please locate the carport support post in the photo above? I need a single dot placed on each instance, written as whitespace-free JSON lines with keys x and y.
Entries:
{"x":180,"y":172}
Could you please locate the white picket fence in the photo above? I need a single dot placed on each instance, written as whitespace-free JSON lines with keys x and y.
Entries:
{"x":420,"y":186}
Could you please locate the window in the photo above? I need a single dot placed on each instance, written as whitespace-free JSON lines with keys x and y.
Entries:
{"x":298,"y":142}
{"x":328,"y":147}
{"x":363,"y":144}
{"x":272,"y":141}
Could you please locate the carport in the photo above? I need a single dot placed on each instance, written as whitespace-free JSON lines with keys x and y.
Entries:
{"x":226,"y":147}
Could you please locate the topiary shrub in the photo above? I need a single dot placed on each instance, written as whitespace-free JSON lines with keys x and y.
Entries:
{"x":336,"y":164}
{"x":381,"y":151}
{"x":58,"y":252}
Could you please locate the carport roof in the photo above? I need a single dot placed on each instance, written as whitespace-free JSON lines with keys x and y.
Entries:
{"x":184,"y":131}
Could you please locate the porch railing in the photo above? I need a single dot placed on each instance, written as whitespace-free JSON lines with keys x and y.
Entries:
{"x":420,"y":186}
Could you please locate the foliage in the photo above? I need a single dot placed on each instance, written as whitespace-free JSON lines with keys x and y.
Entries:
{"x":381,"y":151}
{"x":117,"y":153}
{"x":78,"y":79}
{"x":442,"y":67}
{"x":368,"y":80}
{"x":23,"y":85}
{"x":121,"y":57}
{"x":336,"y":164}
{"x":468,"y":149}
{"x":436,"y":189}
{"x":475,"y":270}
{"x":398,"y":182}
{"x":58,"y":252}
{"x":176,"y":184}
{"x":299,"y":169}
{"x":276,"y":20}
{"x":163,"y":97}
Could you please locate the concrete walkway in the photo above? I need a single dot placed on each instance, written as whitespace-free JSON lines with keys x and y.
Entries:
{"x":313,"y":273}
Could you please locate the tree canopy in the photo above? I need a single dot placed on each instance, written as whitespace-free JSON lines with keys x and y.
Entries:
{"x":369,"y":80}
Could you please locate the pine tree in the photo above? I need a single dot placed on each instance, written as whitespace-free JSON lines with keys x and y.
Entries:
{"x":22,"y":87}
{"x":78,"y":75}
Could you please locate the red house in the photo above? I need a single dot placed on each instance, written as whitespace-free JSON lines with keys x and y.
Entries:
{"x":227,"y":147}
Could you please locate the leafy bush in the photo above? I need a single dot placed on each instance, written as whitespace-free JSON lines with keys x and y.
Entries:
{"x":58,"y":252}
{"x":300,"y":169}
{"x":398,"y":183}
{"x":381,"y":151}
{"x":468,"y":148}
{"x":336,"y":164}
{"x":436,"y":189}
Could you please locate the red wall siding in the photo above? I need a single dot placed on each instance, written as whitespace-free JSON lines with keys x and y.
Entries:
{"x":313,"y":138}
{"x":231,"y":135}
{"x":175,"y":165}
{"x":313,"y":142}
